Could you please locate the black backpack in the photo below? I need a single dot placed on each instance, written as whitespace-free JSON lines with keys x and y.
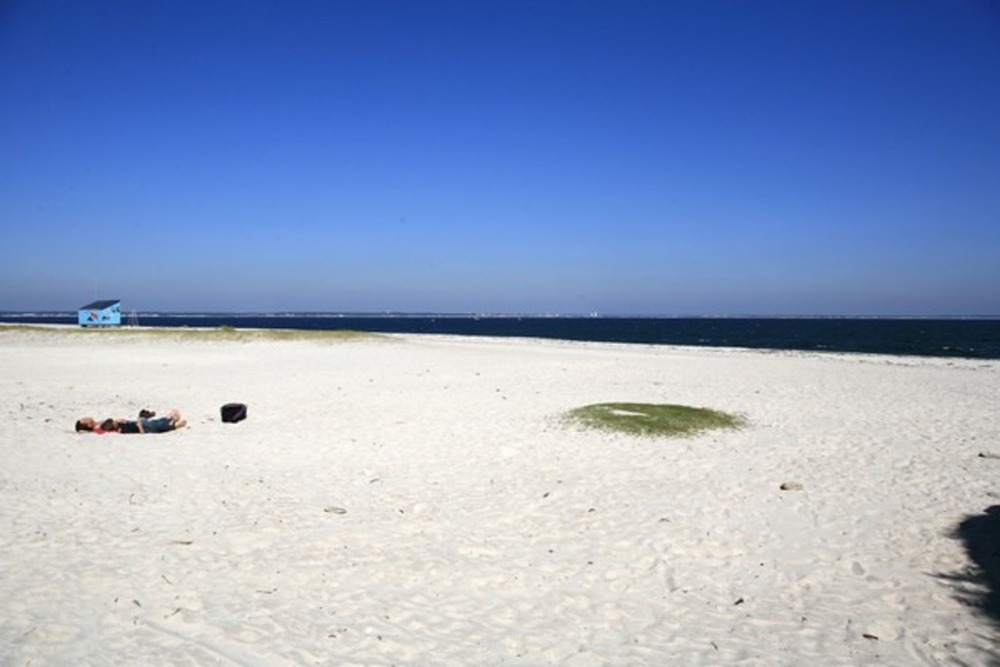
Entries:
{"x":234,"y":412}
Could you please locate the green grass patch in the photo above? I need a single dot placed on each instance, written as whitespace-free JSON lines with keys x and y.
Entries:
{"x":207,"y":334}
{"x":651,"y":419}
{"x":249,"y":335}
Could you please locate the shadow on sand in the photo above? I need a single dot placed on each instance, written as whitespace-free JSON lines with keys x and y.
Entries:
{"x":978,"y":586}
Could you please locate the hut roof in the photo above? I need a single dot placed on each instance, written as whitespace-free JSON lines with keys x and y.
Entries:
{"x":100,"y":305}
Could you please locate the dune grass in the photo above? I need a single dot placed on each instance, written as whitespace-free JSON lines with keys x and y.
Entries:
{"x":227,"y":333}
{"x":206,"y":334}
{"x":650,"y":419}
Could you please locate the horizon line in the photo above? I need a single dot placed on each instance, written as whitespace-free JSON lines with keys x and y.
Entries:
{"x":498,"y":315}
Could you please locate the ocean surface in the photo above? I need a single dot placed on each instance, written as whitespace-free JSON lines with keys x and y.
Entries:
{"x":968,"y":338}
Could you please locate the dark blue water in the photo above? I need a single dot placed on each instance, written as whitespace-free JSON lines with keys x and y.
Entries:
{"x":969,"y":338}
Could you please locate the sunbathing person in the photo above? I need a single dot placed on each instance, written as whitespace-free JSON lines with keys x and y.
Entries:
{"x":87,"y":425}
{"x":171,"y":422}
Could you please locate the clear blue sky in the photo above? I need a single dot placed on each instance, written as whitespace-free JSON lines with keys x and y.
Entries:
{"x":700,"y":157}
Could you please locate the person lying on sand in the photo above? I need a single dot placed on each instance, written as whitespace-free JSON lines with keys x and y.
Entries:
{"x":171,"y":422}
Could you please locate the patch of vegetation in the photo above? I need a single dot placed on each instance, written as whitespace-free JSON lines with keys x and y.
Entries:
{"x":224,"y":333}
{"x":228,"y":333}
{"x":650,"y":419}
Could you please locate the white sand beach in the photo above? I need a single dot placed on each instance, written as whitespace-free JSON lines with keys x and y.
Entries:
{"x":417,"y":500}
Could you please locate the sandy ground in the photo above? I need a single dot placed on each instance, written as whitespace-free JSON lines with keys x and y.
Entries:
{"x":417,"y":500}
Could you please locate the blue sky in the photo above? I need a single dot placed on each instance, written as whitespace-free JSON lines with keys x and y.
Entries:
{"x":697,"y":157}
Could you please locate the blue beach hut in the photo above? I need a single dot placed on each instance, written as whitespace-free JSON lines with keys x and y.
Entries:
{"x":106,"y":313}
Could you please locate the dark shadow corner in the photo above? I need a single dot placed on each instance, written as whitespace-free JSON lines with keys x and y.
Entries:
{"x":978,"y":585}
{"x":980,"y":535}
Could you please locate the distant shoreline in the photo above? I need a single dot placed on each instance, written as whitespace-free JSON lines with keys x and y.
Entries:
{"x":394,"y":314}
{"x":949,"y":338}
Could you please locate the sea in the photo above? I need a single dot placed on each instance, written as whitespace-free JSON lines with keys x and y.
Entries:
{"x":971,"y":338}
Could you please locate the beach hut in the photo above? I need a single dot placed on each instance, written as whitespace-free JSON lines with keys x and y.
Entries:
{"x":106,"y":313}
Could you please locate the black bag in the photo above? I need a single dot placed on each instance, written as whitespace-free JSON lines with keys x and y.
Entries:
{"x":234,"y":412}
